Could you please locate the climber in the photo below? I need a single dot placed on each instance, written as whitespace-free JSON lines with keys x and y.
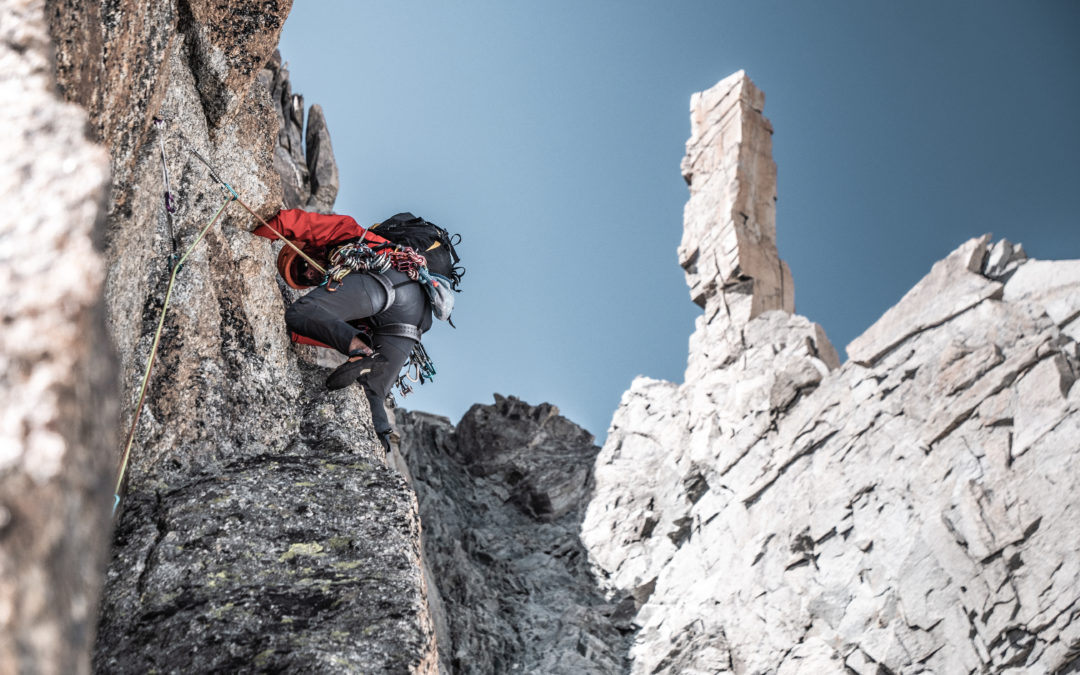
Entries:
{"x":377,"y":302}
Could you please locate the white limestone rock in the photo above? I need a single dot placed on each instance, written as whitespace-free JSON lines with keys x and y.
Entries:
{"x":909,"y":511}
{"x":730,"y":219}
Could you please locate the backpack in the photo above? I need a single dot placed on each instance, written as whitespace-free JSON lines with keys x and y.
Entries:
{"x":428,"y":239}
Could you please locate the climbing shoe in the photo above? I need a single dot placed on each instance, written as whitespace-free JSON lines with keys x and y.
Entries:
{"x":351,"y":371}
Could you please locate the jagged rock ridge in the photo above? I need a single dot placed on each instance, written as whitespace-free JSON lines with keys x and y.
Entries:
{"x":908,"y":511}
{"x":501,"y":499}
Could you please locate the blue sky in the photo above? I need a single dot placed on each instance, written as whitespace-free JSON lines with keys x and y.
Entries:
{"x":549,"y":135}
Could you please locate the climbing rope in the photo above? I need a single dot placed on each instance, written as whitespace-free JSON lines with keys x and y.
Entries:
{"x":214,"y":175}
{"x":154,"y":347}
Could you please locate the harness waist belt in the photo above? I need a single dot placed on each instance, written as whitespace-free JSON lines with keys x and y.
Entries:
{"x":399,"y":329}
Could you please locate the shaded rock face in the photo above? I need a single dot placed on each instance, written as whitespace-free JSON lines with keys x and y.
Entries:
{"x":306,"y":559}
{"x":260,"y":527}
{"x":501,"y":498}
{"x":908,"y":511}
{"x":57,"y":394}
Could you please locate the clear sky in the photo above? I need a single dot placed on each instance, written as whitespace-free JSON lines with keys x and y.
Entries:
{"x":549,"y":134}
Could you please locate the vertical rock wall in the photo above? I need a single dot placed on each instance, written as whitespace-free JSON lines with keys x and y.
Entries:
{"x":259,"y":527}
{"x":57,"y":393}
{"x":909,"y":511}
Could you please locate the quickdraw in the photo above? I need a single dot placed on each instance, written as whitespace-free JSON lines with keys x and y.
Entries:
{"x":359,"y":257}
{"x":170,"y":204}
{"x":407,"y":260}
{"x":419,"y":368}
{"x":354,"y":257}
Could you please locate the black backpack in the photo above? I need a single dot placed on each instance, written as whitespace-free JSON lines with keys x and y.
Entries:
{"x":428,"y":239}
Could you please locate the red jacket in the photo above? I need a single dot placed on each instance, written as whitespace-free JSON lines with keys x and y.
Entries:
{"x":308,"y":230}
{"x":311,"y":229}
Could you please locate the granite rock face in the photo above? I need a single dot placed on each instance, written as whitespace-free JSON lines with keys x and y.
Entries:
{"x":908,"y":511}
{"x":729,"y":241}
{"x":501,"y":499}
{"x":259,"y":526}
{"x":58,"y":401}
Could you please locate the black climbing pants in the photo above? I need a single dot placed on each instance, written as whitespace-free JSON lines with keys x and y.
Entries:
{"x":324,"y":316}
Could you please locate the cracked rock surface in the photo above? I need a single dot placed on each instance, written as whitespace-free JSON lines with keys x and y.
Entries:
{"x":306,"y":559}
{"x":909,"y":511}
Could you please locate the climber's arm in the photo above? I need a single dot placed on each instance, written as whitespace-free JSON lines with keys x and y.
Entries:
{"x":315,"y":229}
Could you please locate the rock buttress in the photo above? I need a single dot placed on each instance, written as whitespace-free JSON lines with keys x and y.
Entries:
{"x":259,"y":523}
{"x":501,"y":497}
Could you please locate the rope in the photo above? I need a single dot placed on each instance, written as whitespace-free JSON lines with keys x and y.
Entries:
{"x":294,"y":247}
{"x":154,"y":348}
{"x":213,"y":174}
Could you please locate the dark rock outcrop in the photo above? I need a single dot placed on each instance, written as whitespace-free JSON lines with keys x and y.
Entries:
{"x":502,"y":498}
{"x":305,"y":559}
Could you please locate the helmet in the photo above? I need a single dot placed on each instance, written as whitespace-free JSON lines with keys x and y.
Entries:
{"x":296,"y":271}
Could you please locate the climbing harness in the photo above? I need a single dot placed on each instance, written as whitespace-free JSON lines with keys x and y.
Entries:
{"x":154,"y":348}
